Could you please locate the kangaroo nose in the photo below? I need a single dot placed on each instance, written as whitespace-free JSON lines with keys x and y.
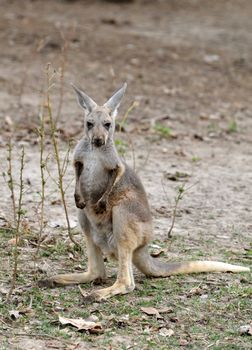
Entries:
{"x":98,"y":141}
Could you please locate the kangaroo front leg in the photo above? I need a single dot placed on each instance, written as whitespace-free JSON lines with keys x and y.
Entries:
{"x":96,"y":270}
{"x":125,"y":279}
{"x":115,"y":175}
{"x":79,"y":201}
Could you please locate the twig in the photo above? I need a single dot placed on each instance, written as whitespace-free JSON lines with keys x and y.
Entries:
{"x":145,"y":160}
{"x":17,"y":230}
{"x":42,"y":162}
{"x":38,"y":335}
{"x":62,"y":74}
{"x":11,"y":182}
{"x":122,"y":123}
{"x":132,"y":151}
{"x":66,"y":161}
{"x":57,"y":156}
{"x":178,"y":198}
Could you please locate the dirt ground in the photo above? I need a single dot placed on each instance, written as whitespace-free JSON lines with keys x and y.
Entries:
{"x":188,"y":65}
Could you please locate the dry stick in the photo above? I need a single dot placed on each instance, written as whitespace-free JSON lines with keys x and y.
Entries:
{"x":132,"y":151}
{"x":179,"y":197}
{"x":66,"y":161}
{"x":11,"y":182}
{"x":121,"y":125}
{"x":145,"y":160}
{"x":62,"y":76}
{"x":35,"y":335}
{"x":57,"y":158}
{"x":17,"y":230}
{"x":41,"y":133}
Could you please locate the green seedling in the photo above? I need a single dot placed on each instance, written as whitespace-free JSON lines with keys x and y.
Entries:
{"x":232,"y":126}
{"x":164,"y":131}
{"x":121,"y":146}
{"x":196,"y":159}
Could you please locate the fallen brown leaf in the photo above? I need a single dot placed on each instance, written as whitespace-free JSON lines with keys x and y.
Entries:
{"x":195,"y":291}
{"x":164,"y":332}
{"x":151,"y":311}
{"x":91,"y":324}
{"x":183,"y":342}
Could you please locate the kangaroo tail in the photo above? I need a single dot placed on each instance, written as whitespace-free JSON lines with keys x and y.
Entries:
{"x":156,"y":268}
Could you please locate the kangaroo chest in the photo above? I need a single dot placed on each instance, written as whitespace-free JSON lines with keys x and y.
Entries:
{"x":94,"y":178}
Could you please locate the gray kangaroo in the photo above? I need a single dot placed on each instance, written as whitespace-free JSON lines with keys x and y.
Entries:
{"x":113,"y":212}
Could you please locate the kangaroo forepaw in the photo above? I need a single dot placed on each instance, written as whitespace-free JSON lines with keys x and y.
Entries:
{"x":81,"y":205}
{"x":101,"y":206}
{"x":78,"y":202}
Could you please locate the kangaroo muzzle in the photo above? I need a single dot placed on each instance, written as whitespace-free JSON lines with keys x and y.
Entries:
{"x":98,"y":141}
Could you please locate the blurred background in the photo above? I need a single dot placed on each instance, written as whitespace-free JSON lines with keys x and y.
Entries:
{"x":183,"y":60}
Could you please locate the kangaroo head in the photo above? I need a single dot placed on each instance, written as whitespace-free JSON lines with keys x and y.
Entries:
{"x":99,"y":121}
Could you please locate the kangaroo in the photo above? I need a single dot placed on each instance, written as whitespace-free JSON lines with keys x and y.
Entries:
{"x":113,"y":209}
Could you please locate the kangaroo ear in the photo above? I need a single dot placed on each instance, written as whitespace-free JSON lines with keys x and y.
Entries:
{"x":84,"y":100}
{"x":113,"y":103}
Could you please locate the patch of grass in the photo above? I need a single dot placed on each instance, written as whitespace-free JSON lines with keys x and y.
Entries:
{"x":6,"y":233}
{"x":196,"y":159}
{"x":164,"y":131}
{"x":121,"y":146}
{"x":232,"y":127}
{"x":201,"y":321}
{"x":213,"y":127}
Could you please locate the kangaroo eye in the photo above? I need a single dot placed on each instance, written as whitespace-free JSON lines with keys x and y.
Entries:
{"x":90,"y":125}
{"x":107,"y":125}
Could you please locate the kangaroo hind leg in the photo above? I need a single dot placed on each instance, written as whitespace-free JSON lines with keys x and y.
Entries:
{"x":126,"y":243}
{"x":96,"y":269}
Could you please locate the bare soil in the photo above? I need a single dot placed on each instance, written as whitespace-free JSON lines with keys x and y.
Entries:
{"x":188,"y":64}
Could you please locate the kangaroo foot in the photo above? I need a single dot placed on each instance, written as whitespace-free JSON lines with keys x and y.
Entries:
{"x":105,"y":293}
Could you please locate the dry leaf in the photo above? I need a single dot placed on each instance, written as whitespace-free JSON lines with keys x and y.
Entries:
{"x":72,"y":257}
{"x":89,"y":324}
{"x":246,"y":329}
{"x":14,"y":314}
{"x":177,"y":176}
{"x":61,"y":223}
{"x":151,"y":311}
{"x":157,"y":252}
{"x":8,"y":120}
{"x":4,"y":290}
{"x":165,"y":310}
{"x":183,"y":342}
{"x":195,"y":291}
{"x":12,"y":241}
{"x":164,"y":332}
